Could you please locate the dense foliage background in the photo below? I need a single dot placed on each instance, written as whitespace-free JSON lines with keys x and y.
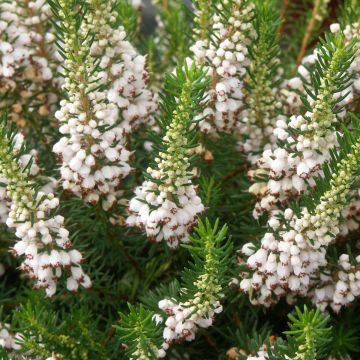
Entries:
{"x":125,"y":269}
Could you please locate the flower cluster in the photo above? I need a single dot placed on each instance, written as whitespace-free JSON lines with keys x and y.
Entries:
{"x":198,"y":302}
{"x":93,"y":149}
{"x":43,"y":240}
{"x":279,"y":187}
{"x":338,"y":287}
{"x":44,"y":243}
{"x":184,"y":319}
{"x":350,"y":215}
{"x":166,"y":205}
{"x":226,"y":57}
{"x":349,"y":95}
{"x":292,"y":254}
{"x":120,"y":65}
{"x":28,"y":60}
{"x":284,"y":182}
{"x":162,"y":218}
{"x":306,"y":139}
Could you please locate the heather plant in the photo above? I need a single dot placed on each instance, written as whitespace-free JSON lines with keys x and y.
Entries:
{"x":179,"y":179}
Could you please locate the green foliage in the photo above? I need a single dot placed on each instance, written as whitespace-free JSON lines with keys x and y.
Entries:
{"x":204,"y":13}
{"x":308,"y":338}
{"x":250,"y":336}
{"x":171,"y":43}
{"x":349,"y":12}
{"x":346,"y":341}
{"x":264,"y":50}
{"x":309,"y":331}
{"x":210,"y":191}
{"x":345,"y":338}
{"x":72,"y":334}
{"x":129,"y":18}
{"x":139,"y":332}
{"x":333,"y":61}
{"x":189,"y":79}
{"x":263,"y":74}
{"x":210,"y":250}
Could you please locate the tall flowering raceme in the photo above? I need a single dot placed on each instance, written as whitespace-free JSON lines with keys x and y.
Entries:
{"x":290,"y":94}
{"x":120,"y":65}
{"x":106,"y":98}
{"x":347,"y":99}
{"x":24,"y":160}
{"x":292,"y":254}
{"x":305,"y":140}
{"x":351,"y":30}
{"x":262,"y":86}
{"x":43,"y":241}
{"x":28,"y":61}
{"x":196,"y":304}
{"x":166,"y":205}
{"x":225,"y":56}
{"x":204,"y":284}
